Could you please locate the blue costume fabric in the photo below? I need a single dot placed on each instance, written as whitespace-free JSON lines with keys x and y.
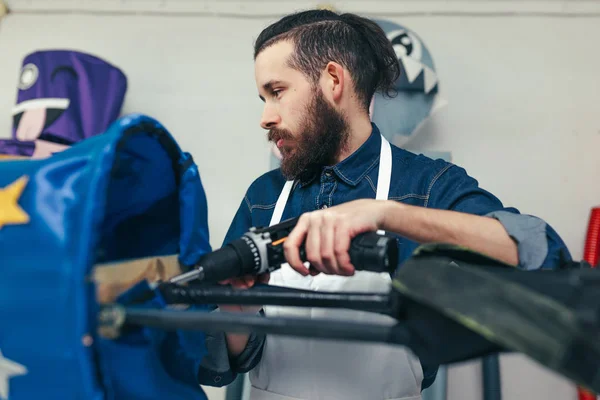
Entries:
{"x":128,"y":193}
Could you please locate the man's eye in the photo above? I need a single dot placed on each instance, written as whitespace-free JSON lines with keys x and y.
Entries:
{"x":277,"y":92}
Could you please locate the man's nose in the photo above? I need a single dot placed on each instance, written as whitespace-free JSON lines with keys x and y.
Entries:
{"x":270,"y":119}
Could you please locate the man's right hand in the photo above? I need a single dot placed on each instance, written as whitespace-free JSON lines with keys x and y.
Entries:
{"x":236,"y":342}
{"x":244,"y":282}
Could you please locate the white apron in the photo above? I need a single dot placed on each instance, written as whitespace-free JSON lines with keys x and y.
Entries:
{"x":300,"y":368}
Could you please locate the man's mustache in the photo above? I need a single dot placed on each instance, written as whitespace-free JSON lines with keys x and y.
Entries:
{"x":275,"y":134}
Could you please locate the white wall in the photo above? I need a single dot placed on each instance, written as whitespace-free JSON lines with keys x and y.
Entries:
{"x":523,"y":118}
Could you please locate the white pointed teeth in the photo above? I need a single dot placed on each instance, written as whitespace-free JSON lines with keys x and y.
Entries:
{"x":413,"y":69}
{"x":430,"y":79}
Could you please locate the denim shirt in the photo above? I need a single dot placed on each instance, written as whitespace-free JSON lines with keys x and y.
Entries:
{"x":416,"y":180}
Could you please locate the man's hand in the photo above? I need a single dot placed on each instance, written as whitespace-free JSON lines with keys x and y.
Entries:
{"x":328,"y":234}
{"x":244,"y":282}
{"x":236,"y":342}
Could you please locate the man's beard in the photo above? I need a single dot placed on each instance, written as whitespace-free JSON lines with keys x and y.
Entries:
{"x":323,"y":135}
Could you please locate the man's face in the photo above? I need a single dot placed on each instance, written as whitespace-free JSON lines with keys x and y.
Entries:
{"x":308,"y":131}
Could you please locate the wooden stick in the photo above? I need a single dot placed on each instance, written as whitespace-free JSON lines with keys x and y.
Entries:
{"x":10,"y":156}
{"x":113,"y":279}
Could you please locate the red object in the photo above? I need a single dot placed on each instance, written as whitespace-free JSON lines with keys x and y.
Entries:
{"x":585,"y":395}
{"x":591,"y":252}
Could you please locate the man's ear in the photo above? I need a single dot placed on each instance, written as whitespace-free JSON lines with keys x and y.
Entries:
{"x":334,"y":81}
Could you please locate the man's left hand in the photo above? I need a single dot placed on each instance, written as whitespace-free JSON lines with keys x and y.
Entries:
{"x":327,"y":235}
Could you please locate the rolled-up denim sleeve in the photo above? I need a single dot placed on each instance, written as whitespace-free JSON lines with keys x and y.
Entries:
{"x":218,"y":368}
{"x":539,"y":246}
{"x":537,"y":243}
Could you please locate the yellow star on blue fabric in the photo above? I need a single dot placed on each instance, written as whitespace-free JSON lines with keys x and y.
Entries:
{"x":10,"y":211}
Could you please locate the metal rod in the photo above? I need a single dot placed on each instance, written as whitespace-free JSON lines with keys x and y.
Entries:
{"x":197,"y":273}
{"x":239,"y":323}
{"x":492,"y":385}
{"x":374,"y":302}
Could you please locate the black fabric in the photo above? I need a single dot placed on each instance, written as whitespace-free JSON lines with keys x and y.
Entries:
{"x":481,"y":306}
{"x":438,"y":340}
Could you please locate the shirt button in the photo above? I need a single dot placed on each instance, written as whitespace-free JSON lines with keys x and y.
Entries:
{"x":324,"y":206}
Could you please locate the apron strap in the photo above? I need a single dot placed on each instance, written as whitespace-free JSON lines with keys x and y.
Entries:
{"x":281,"y":201}
{"x":385,"y":170}
{"x":385,"y":173}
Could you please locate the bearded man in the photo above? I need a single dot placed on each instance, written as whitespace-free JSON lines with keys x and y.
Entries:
{"x":316,"y":72}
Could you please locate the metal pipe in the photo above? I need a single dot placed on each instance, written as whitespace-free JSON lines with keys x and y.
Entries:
{"x":114,"y":319}
{"x":265,"y":295}
{"x":492,"y":387}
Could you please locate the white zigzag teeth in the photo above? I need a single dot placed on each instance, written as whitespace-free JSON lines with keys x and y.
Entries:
{"x":413,"y":69}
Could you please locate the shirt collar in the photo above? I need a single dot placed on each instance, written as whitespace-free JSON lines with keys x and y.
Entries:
{"x":356,"y":166}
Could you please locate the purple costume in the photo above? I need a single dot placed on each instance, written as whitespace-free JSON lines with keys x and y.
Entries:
{"x":63,"y":97}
